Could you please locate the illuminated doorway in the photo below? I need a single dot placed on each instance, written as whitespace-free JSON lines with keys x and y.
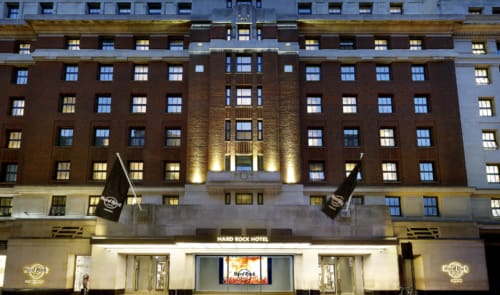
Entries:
{"x":147,"y":274}
{"x":336,"y":275}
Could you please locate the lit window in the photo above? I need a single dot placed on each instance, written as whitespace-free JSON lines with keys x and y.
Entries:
{"x":176,"y":44}
{"x":387,"y":137}
{"x":133,"y":200}
{"x":141,"y":72}
{"x":106,"y":73}
{"x":365,"y":8}
{"x":259,"y":63}
{"x":136,"y":170}
{"x":486,"y":107}
{"x":228,"y":63}
{"x":173,"y":137}
{"x":139,"y":104}
{"x":229,"y":33}
{"x":13,"y":10}
{"x":492,"y":173}
{"x":311,"y":44}
{"x":313,"y":73}
{"x":107,"y":44}
{"x":314,"y":104}
{"x":349,"y":104}
{"x":316,"y":200}
{"x":93,"y":202}
{"x":6,"y":206}
{"x":316,"y":171}
{"x":175,"y":73}
{"x":47,"y":8}
{"x":124,"y":8}
{"x":260,"y":130}
{"x":416,"y":44}
{"x":103,"y":104}
{"x":94,"y":8}
{"x":314,"y":137}
{"x":389,"y":172}
{"x":154,"y":8}
{"x":431,"y":206}
{"x":142,"y":44}
{"x":347,"y":44}
{"x":58,"y":206}
{"x":71,"y":72}
{"x":381,"y":44}
{"x":243,"y":163}
{"x":259,"y":96}
{"x":67,"y":104}
{"x":424,"y":137}
{"x":489,"y":140}
{"x":383,"y":73}
{"x":243,"y":96}
{"x":385,"y":104}
{"x":24,"y":48}
{"x":334,"y":8}
{"x":259,"y":33}
{"x":421,"y":104}
{"x":396,"y":8}
{"x":101,"y":137}
{"x":65,"y":137}
{"x":171,"y":200}
{"x":21,"y":77}
{"x":495,"y":207}
{"x":174,"y":104}
{"x":349,"y":166}
{"x":351,"y":137}
{"x":184,"y":8}
{"x":426,"y":171}
{"x":478,"y":48}
{"x":243,"y":63}
{"x":99,"y":170}
{"x":243,"y":32}
{"x":17,"y":107}
{"x":136,"y":137}
{"x":304,"y":8}
{"x":63,"y":170}
{"x":9,"y":173}
{"x":347,"y":73}
{"x":244,"y":130}
{"x":172,"y":171}
{"x":417,"y":73}
{"x":394,"y":205}
{"x":14,"y":139}
{"x":481,"y":75}
{"x":244,"y":199}
{"x":73,"y":44}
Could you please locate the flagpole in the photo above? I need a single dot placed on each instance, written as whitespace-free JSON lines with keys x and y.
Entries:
{"x":128,"y":179}
{"x":346,"y":209}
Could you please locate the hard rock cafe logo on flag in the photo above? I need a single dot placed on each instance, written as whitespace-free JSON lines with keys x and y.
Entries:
{"x":110,"y":203}
{"x":35,"y":272}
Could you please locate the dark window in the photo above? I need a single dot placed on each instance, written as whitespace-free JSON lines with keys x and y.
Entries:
{"x":304,"y":8}
{"x":65,"y":137}
{"x":6,"y":206}
{"x":9,"y":172}
{"x":94,"y":8}
{"x":13,"y":10}
{"x":394,"y":205}
{"x":58,"y":206}
{"x":101,"y":137}
{"x":184,"y":8}
{"x":47,"y":8}
{"x":173,"y":137}
{"x":124,"y":8}
{"x":351,"y":137}
{"x":136,"y":137}
{"x":154,"y":8}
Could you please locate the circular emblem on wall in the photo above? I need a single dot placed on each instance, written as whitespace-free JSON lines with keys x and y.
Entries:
{"x":456,"y":271}
{"x":35,"y":272}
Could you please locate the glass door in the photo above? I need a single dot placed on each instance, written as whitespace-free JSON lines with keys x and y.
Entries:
{"x":337,"y":275}
{"x":147,"y":274}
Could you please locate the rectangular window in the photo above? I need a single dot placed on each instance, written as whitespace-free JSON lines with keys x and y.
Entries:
{"x":24,"y":48}
{"x":154,"y":8}
{"x":482,"y":77}
{"x":141,"y":72}
{"x":139,"y":104}
{"x":243,"y":96}
{"x":475,"y":10}
{"x":486,"y":107}
{"x":47,"y":8}
{"x":243,"y":163}
{"x":396,"y":8}
{"x":244,"y":199}
{"x":394,"y":205}
{"x":316,"y":200}
{"x":351,"y":137}
{"x":383,"y":73}
{"x":175,"y":73}
{"x":316,"y":171}
{"x":171,"y":200}
{"x":495,"y":207}
{"x":136,"y":170}
{"x":424,"y":138}
{"x":94,"y":8}
{"x":17,"y":107}
{"x":385,"y":105}
{"x":227,"y":130}
{"x":99,"y":171}
{"x":347,"y":73}
{"x":136,"y":137}
{"x":176,"y":44}
{"x":492,"y":173}
{"x":244,"y":130}
{"x":489,"y":138}
{"x":365,"y":8}
{"x":58,"y":206}
{"x":347,"y":43}
{"x":416,"y":44}
{"x":103,"y":104}
{"x":14,"y":139}
{"x":124,"y":8}
{"x":389,"y":172}
{"x":142,"y":44}
{"x":172,"y":171}
{"x":304,"y":8}
{"x":65,"y":137}
{"x":313,"y":73}
{"x":9,"y":172}
{"x":259,"y":96}
{"x":334,"y":8}
{"x":6,"y":206}
{"x":63,"y":170}
{"x":311,"y":44}
{"x":184,"y":8}
{"x":427,"y":171}
{"x":106,"y":73}
{"x":349,"y":166}
{"x":70,"y":72}
{"x":314,"y":104}
{"x":259,"y":63}
{"x":73,"y":44}
{"x":387,"y":137}
{"x":228,"y":95}
{"x":229,"y":33}
{"x":172,"y":137}
{"x":315,"y":137}
{"x":349,"y":104}
{"x":174,"y":104}
{"x":421,"y":104}
{"x":381,"y":44}
{"x":107,"y":44}
{"x":93,"y":201}
{"x":21,"y":77}
{"x":418,"y":73}
{"x":101,"y":137}
{"x":228,"y":63}
{"x":229,"y":3}
{"x":67,"y":104}
{"x":478,"y":48}
{"x":260,"y":130}
{"x":243,"y":63}
{"x":13,"y":10}
{"x":431,"y":206}
{"x":243,"y":32}
{"x":132,"y":200}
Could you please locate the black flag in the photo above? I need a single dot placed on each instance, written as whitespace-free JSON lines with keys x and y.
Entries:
{"x":114,"y":195}
{"x":337,"y":200}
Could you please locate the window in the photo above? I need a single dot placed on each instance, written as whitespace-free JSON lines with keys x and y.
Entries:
{"x":349,"y":166}
{"x":176,"y":44}
{"x":431,"y":206}
{"x":172,"y":171}
{"x":67,"y":104}
{"x":173,"y":137}
{"x":58,"y":206}
{"x":106,"y":73}
{"x":107,"y":44}
{"x":492,"y":173}
{"x":93,"y":201}
{"x":14,"y":139}
{"x":244,"y":199}
{"x":314,"y":104}
{"x":315,"y":137}
{"x":383,"y":73}
{"x":139,"y":104}
{"x":316,"y":200}
{"x":478,"y":48}
{"x":228,"y":63}
{"x":136,"y":170}
{"x":243,"y":96}
{"x":229,"y":3}
{"x":424,"y":138}
{"x":184,"y":8}
{"x":243,"y":32}
{"x":495,"y":10}
{"x":71,"y":72}
{"x":65,"y":137}
{"x":486,"y":107}
{"x":316,"y":171}
{"x":133,"y":200}
{"x":174,"y":104}
{"x":260,"y":130}
{"x":258,"y":3}
{"x":94,"y":8}
{"x":416,"y":44}
{"x":73,"y":44}
{"x":227,"y":130}
{"x":351,"y":137}
{"x":475,"y":10}
{"x":13,"y":10}
{"x":396,"y":8}
{"x":154,"y":8}
{"x":394,"y":205}
{"x":347,"y":44}
{"x":313,"y":73}
{"x":365,"y":8}
{"x":99,"y":171}
{"x":6,"y":206}
{"x":347,"y":73}
{"x":103,"y":104}
{"x":101,"y":136}
{"x":136,"y":137}
{"x":9,"y":172}
{"x":47,"y":8}
{"x":17,"y":107}
{"x":21,"y":77}
{"x":495,"y":207}
{"x":243,"y":163}
{"x":175,"y":73}
{"x":63,"y":170}
{"x":426,"y":171}
{"x":421,"y":104}
{"x":481,"y":75}
{"x":334,"y":8}
{"x":304,"y":8}
{"x":171,"y":200}
{"x":141,"y":72}
{"x":385,"y":104}
{"x":417,"y":73}
{"x":244,"y":130}
{"x":389,"y":172}
{"x":243,"y":63}
{"x":24,"y":48}
{"x":349,"y":104}
{"x":142,"y":44}
{"x":311,"y":44}
{"x":381,"y":44}
{"x":489,"y":140}
{"x":387,"y":137}
{"x":259,"y":96}
{"x":124,"y":8}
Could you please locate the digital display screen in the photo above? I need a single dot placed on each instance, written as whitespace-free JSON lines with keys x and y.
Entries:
{"x":245,"y":270}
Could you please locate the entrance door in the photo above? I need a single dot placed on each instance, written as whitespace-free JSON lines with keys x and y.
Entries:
{"x":336,"y":275}
{"x":147,"y":274}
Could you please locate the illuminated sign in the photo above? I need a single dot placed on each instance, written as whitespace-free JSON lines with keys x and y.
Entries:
{"x":245,"y":270}
{"x":35,"y":272}
{"x":456,"y":271}
{"x":242,"y":239}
